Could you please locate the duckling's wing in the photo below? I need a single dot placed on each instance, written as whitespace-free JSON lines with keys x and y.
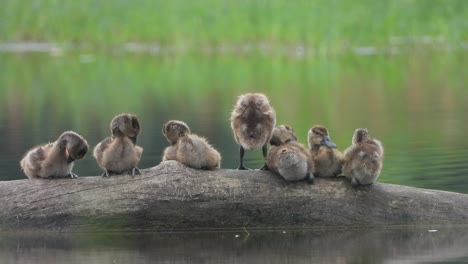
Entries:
{"x":100,"y":148}
{"x":37,"y":156}
{"x":138,"y":151}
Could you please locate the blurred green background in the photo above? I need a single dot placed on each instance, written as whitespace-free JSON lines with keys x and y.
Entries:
{"x":396,"y":67}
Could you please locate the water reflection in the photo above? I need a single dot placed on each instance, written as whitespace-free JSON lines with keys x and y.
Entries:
{"x":415,"y":103}
{"x":358,"y":246}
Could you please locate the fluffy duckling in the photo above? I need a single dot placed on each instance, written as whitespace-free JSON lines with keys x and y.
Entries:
{"x":55,"y":160}
{"x":173,"y":130}
{"x":288,"y":158}
{"x":252,"y":123}
{"x":363,"y":160}
{"x":327,"y":160}
{"x":119,"y":154}
{"x":188,"y":148}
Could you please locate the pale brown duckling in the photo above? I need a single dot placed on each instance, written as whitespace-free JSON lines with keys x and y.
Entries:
{"x":119,"y":154}
{"x":363,"y":160}
{"x":188,"y":148}
{"x":288,"y":158}
{"x":327,"y":160}
{"x":252,"y":123}
{"x":55,"y":160}
{"x":172,"y":131}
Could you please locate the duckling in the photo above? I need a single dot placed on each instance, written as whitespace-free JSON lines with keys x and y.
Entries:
{"x":288,"y":158}
{"x":173,"y":130}
{"x":363,"y":160}
{"x":327,"y":160}
{"x":119,"y":154}
{"x":188,"y":148}
{"x":55,"y":160}
{"x":252,"y":123}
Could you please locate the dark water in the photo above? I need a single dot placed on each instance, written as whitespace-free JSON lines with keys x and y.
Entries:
{"x":282,"y":246}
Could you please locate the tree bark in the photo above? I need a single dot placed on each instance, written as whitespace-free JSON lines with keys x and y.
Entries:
{"x":171,"y":196}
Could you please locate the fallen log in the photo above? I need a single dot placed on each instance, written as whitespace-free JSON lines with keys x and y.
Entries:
{"x":171,"y":196}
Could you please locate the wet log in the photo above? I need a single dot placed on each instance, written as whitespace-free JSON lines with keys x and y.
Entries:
{"x":171,"y":197}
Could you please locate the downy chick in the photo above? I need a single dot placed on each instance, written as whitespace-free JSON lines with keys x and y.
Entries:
{"x":252,"y":123}
{"x":119,"y":154}
{"x":327,"y":160}
{"x":188,"y":148}
{"x":288,"y":158}
{"x":55,"y":160}
{"x":363,"y":160}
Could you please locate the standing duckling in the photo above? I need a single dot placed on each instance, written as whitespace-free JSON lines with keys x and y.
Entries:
{"x":119,"y":154}
{"x":252,"y":122}
{"x":327,"y":160}
{"x":188,"y":148}
{"x":288,"y":158}
{"x":55,"y":160}
{"x":363,"y":160}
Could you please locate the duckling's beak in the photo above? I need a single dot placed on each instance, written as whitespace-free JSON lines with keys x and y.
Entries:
{"x":328,"y":142}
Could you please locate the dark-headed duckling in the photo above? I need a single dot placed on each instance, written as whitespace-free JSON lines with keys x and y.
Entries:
{"x":288,"y":158}
{"x":55,"y":160}
{"x":252,"y":122}
{"x":119,"y":154}
{"x":188,"y":148}
{"x":363,"y":160}
{"x":327,"y":160}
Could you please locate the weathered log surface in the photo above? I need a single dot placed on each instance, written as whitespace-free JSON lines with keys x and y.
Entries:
{"x":171,"y":196}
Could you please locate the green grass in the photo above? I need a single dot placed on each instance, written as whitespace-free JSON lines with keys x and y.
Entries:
{"x":322,"y":24}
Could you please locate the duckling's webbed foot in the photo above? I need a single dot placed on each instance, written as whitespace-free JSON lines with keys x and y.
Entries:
{"x":135,"y":171}
{"x":105,"y":174}
{"x":310,"y":178}
{"x":72,"y":175}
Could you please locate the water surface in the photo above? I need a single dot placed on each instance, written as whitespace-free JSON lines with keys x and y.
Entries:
{"x":280,"y":246}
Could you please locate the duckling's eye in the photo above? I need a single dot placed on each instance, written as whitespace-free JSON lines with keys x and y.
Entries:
{"x":243,"y":104}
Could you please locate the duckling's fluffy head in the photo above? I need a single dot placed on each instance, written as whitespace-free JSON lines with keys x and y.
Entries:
{"x":360,"y":135}
{"x":125,"y":125}
{"x":76,"y":145}
{"x":175,"y":129}
{"x":252,"y":100}
{"x":282,"y":134}
{"x":318,"y":135}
